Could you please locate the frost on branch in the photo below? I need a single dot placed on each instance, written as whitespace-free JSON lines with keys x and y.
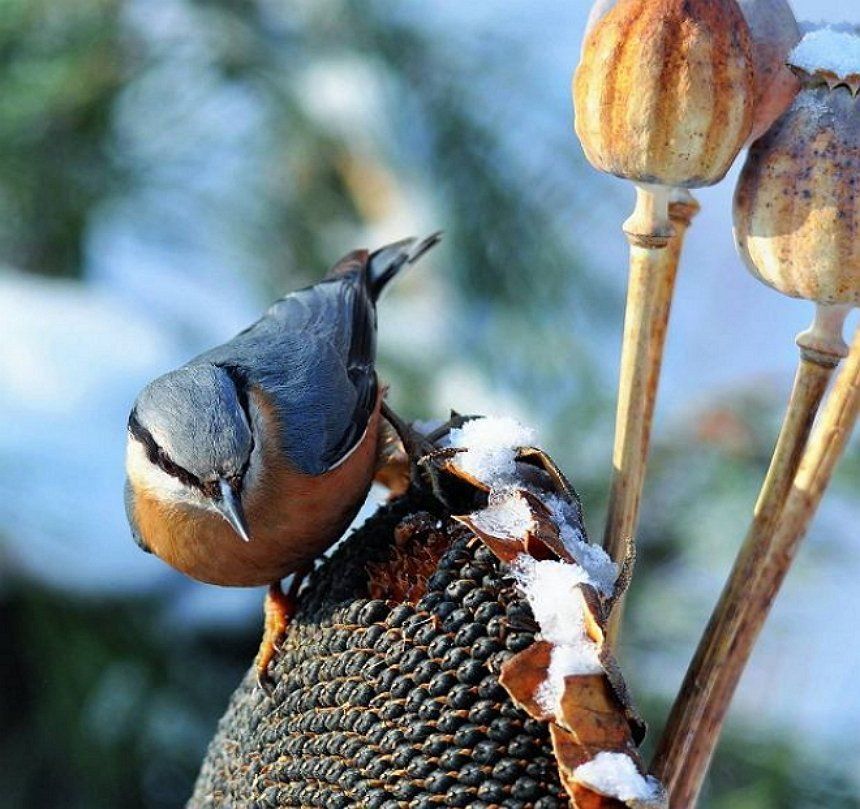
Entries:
{"x":568,"y":678}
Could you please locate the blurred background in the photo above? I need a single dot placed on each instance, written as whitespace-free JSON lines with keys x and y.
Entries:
{"x":168,"y":167}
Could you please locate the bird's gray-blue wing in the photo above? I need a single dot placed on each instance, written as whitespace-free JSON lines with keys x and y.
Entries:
{"x":313,"y":354}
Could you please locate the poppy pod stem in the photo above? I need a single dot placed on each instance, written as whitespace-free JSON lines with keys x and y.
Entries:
{"x":650,"y":226}
{"x":693,"y":729}
{"x":822,"y":343}
{"x":821,"y":350}
{"x":656,"y":233}
{"x":694,"y":725}
{"x":663,"y":97}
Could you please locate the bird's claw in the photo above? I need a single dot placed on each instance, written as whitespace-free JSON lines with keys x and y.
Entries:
{"x":278,"y":610}
{"x":266,"y":684}
{"x":414,"y":443}
{"x":455,"y":422}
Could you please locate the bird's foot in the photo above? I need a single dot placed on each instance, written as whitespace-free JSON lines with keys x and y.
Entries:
{"x":414,"y":443}
{"x":393,"y":466}
{"x":418,"y":445}
{"x":278,"y":610}
{"x":455,"y":422}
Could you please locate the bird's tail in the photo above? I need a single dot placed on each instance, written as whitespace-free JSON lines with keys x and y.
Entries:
{"x":388,"y":261}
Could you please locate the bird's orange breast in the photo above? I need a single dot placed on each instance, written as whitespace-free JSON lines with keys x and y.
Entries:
{"x":292,"y":517}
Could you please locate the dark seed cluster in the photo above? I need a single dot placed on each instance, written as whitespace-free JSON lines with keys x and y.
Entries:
{"x":386,"y":705}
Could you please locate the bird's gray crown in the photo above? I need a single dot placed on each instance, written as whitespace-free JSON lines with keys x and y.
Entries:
{"x":197,"y":419}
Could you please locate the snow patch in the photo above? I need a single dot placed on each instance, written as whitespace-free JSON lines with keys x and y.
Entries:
{"x":567,"y":661}
{"x":490,"y":446}
{"x":550,"y":588}
{"x":505,"y":516}
{"x":830,"y":49}
{"x":616,"y":776}
{"x":602,"y":571}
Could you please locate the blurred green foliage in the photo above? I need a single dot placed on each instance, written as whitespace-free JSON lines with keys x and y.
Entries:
{"x":103,"y":705}
{"x":61,"y":66}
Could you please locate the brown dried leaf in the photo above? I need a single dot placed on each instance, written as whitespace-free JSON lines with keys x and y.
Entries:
{"x":591,"y":712}
{"x":594,"y":612}
{"x":562,"y":484}
{"x":505,"y":548}
{"x":625,"y":575}
{"x":570,"y":755}
{"x":523,"y":674}
{"x":446,"y":463}
{"x":595,"y":713}
{"x":541,"y":539}
{"x":616,"y":681}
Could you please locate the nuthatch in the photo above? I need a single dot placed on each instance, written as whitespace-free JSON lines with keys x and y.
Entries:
{"x":246,"y":464}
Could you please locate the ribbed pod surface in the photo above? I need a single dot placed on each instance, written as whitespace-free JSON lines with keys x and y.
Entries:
{"x":797,"y":216}
{"x":665,"y":91}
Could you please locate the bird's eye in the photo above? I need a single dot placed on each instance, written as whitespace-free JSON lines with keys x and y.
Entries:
{"x":158,"y":456}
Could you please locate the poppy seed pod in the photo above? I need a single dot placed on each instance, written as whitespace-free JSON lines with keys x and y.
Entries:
{"x":665,"y":90}
{"x":797,"y":216}
{"x":775,"y":32}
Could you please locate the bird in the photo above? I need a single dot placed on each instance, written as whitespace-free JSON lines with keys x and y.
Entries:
{"x":247,"y":463}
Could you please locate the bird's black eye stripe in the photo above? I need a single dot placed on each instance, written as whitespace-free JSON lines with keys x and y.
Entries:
{"x":158,"y":456}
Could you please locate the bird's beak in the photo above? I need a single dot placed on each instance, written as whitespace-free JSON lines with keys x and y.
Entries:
{"x":230,"y":508}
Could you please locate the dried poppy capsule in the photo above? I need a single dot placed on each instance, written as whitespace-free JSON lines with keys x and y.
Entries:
{"x":797,"y":216}
{"x":774,"y":32}
{"x":665,"y":89}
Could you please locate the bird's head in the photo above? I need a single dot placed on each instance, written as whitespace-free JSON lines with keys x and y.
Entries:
{"x":190,"y":441}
